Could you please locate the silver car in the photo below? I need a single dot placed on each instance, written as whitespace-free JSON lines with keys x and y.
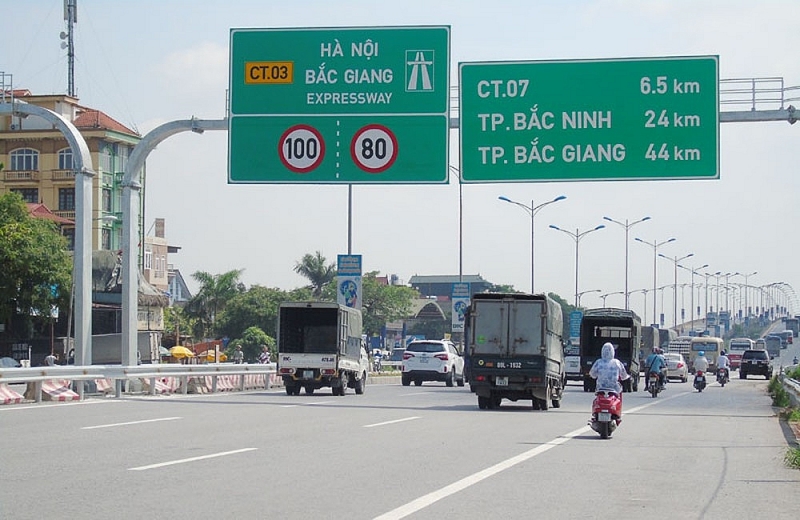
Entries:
{"x":676,"y":366}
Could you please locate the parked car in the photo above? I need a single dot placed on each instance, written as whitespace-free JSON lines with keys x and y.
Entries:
{"x":755,"y":362}
{"x":432,"y":360}
{"x":676,"y":366}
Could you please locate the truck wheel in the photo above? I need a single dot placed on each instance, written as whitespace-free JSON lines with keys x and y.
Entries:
{"x":405,"y":379}
{"x":483,"y":403}
{"x":309,"y":390}
{"x":460,"y":380}
{"x":494,"y":402}
{"x":544,"y":404}
{"x":449,"y":380}
{"x":742,"y":374}
{"x":418,"y":382}
{"x":556,"y":403}
{"x":361,"y":384}
{"x":289,"y":390}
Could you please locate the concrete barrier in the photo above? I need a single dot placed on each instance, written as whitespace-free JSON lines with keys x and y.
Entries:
{"x":9,"y":396}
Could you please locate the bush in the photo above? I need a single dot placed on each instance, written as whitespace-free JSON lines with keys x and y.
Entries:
{"x":792,"y":458}
{"x":780,"y":397}
{"x":794,"y":374}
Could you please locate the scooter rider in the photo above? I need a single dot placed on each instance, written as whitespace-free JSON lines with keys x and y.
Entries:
{"x":724,"y":362}
{"x":655,"y":363}
{"x":701,"y":362}
{"x":609,"y":371}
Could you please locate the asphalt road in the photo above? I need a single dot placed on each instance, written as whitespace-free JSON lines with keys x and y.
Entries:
{"x":396,"y":452}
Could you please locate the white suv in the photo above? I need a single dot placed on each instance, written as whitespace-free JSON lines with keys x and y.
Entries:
{"x":432,"y":360}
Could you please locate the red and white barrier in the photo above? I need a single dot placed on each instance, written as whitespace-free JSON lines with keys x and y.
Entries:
{"x":105,"y":386}
{"x":58,"y":390}
{"x":9,"y":396}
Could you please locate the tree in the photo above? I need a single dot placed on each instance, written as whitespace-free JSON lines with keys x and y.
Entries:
{"x":383,"y":303}
{"x":314,"y":268}
{"x":36,"y":271}
{"x":214,"y":294}
{"x":251,"y":342}
{"x":566,"y":310}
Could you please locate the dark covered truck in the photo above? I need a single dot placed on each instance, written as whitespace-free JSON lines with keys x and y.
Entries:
{"x":515,"y":349}
{"x":623,"y":329}
{"x":319,"y":345}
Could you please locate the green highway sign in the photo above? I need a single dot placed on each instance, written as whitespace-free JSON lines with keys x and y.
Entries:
{"x":358,"y":105}
{"x":589,"y":120}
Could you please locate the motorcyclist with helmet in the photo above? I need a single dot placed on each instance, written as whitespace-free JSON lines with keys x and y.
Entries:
{"x":725,"y":363}
{"x":701,"y":362}
{"x":609,"y":371}
{"x":655,"y":363}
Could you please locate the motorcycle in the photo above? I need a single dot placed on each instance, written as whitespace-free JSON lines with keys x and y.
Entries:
{"x":654,"y":384}
{"x":376,"y":364}
{"x":699,"y":380}
{"x":606,"y":413}
{"x":722,"y":376}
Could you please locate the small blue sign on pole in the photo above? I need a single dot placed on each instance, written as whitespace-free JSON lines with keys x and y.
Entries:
{"x":575,"y":318}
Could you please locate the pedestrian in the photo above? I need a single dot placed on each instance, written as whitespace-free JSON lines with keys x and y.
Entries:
{"x":238,"y":355}
{"x":264,"y":357}
{"x":50,"y":360}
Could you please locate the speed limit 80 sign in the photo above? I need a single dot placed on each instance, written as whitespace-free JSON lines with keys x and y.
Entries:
{"x":374,"y":148}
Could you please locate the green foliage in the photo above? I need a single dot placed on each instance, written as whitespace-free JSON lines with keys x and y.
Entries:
{"x":36,"y":268}
{"x":383,"y":303}
{"x":177,"y":322}
{"x":794,"y":373}
{"x":252,"y":341}
{"x":257,"y":307}
{"x":566,"y":309}
{"x":792,"y":458}
{"x":780,"y":397}
{"x":214,"y":294}
{"x":502,"y":288}
{"x":318,"y":272}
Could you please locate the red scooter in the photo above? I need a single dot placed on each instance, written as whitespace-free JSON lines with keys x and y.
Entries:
{"x":606,"y":412}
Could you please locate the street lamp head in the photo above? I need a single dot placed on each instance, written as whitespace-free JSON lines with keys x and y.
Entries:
{"x":645,"y":218}
{"x":601,"y":226}
{"x":504,"y":199}
{"x":608,"y":219}
{"x":640,"y":240}
{"x":670,"y":240}
{"x":560,"y":197}
{"x":703,"y":266}
{"x":555,"y":227}
{"x":664,"y":256}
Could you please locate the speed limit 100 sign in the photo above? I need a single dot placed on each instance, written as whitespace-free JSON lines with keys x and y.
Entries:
{"x":301,"y":148}
{"x":374,"y":148}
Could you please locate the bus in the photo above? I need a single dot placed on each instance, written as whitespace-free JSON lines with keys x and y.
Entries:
{"x":711,"y":346}
{"x":736,"y":347}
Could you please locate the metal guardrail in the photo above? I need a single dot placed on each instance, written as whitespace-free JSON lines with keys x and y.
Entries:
{"x":120,"y":374}
{"x":792,"y":386}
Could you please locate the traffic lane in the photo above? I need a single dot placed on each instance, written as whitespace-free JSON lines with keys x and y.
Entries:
{"x":682,"y":456}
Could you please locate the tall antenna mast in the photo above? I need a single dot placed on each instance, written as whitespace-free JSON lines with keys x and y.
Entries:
{"x":71,"y":16}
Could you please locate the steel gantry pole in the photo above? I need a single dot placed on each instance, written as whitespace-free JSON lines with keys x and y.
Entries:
{"x":532,"y":211}
{"x":577,"y":236}
{"x":627,"y":226}
{"x":655,"y":245}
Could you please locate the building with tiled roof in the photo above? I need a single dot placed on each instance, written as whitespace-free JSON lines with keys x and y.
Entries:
{"x":37,"y":162}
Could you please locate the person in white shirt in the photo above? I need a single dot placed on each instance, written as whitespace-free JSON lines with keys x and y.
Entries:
{"x":724,"y":362}
{"x":701,"y":362}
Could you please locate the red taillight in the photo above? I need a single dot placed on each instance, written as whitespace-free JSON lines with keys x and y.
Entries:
{"x":443,"y":357}
{"x":480,"y":378}
{"x":680,"y":365}
{"x":407,"y":355}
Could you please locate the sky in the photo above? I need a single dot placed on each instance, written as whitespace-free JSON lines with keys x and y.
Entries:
{"x":149,"y":62}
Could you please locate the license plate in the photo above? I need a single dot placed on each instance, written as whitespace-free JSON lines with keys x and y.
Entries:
{"x":308,"y":374}
{"x":501,"y":381}
{"x":424,"y":361}
{"x":698,"y":378}
{"x":604,"y":416}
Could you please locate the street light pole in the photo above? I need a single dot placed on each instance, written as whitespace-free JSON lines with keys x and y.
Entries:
{"x":746,"y":276}
{"x":604,"y":296}
{"x":532,"y":211}
{"x":627,"y":225}
{"x":675,"y":260}
{"x":655,"y":245}
{"x":586,"y":292}
{"x":693,"y":270}
{"x":577,"y":235}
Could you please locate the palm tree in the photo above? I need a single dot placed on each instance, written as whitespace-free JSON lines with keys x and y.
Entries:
{"x":314,"y":269}
{"x":215,"y":292}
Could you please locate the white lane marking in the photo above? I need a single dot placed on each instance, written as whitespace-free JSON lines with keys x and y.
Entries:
{"x":192,"y":459}
{"x":390,"y":422}
{"x":414,"y":393}
{"x":66,"y":403}
{"x":317,"y":403}
{"x":429,"y":499}
{"x":130,"y":423}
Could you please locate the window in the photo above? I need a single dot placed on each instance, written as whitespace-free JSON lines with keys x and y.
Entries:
{"x":148,"y":259}
{"x":69,"y":234}
{"x":106,"y":239}
{"x":107,"y":200}
{"x":66,"y":199}
{"x":28,"y":194}
{"x":25,"y":159}
{"x":105,"y":158}
{"x":122,"y":159}
{"x":65,"y":159}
